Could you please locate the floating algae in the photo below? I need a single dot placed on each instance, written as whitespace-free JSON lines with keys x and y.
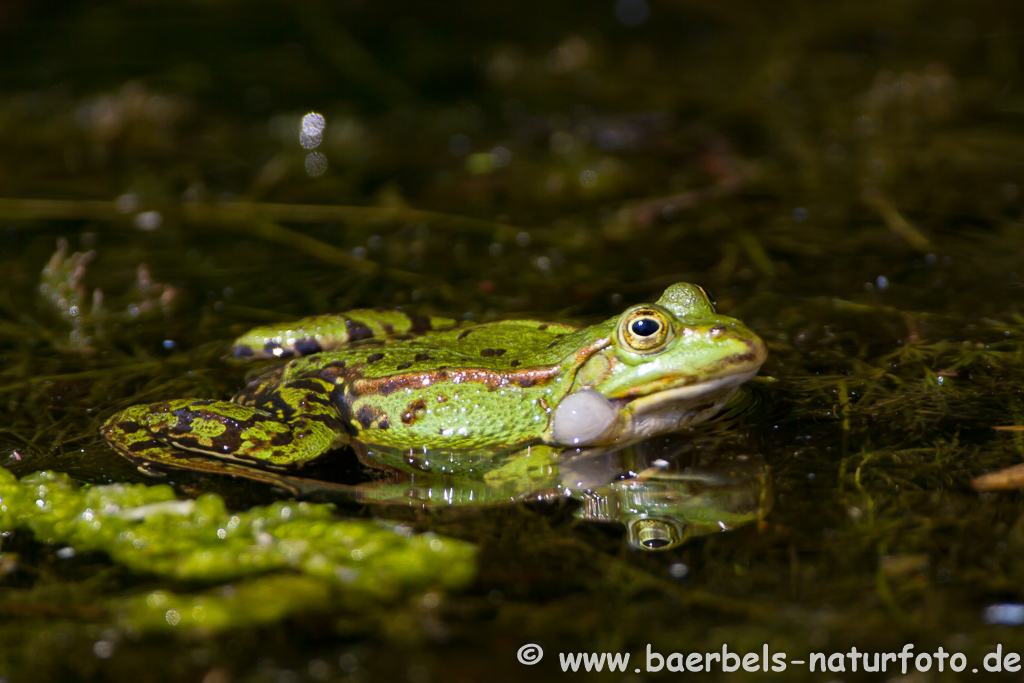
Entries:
{"x":280,"y":559}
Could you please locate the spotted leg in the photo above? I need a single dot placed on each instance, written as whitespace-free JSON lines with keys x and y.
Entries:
{"x":209,"y":435}
{"x":332,"y":330}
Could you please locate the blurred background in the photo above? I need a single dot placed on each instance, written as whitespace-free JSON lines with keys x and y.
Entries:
{"x":845,"y":177}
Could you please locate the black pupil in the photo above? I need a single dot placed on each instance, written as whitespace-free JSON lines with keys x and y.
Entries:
{"x":655,"y":543}
{"x":645,"y":327}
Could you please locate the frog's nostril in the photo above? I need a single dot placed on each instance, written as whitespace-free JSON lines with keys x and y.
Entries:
{"x":716,"y":331}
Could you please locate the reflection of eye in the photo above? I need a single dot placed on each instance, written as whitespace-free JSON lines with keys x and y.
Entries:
{"x":656,"y":533}
{"x":644,"y":329}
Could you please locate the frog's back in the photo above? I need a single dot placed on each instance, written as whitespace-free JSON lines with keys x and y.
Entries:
{"x":459,"y":389}
{"x":505,"y":346}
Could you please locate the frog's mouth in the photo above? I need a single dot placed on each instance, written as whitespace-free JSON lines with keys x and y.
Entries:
{"x":687,"y":394}
{"x":586,"y":418}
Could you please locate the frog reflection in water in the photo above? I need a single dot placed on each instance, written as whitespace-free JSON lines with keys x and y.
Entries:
{"x":429,"y":395}
{"x":664,"y":490}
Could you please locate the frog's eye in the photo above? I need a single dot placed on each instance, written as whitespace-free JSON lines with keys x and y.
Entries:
{"x":707,"y":295}
{"x":645,"y":330}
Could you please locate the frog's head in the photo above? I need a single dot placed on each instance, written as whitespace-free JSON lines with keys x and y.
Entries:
{"x":668,"y":365}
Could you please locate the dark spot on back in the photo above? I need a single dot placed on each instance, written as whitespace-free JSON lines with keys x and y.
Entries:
{"x":356,"y":330}
{"x":308,"y":384}
{"x":464,"y":334}
{"x":129,"y":427}
{"x":558,"y":338}
{"x":388,"y":328}
{"x":409,"y":416}
{"x":307,"y":346}
{"x":493,"y":353}
{"x":404,"y":366}
{"x":514,"y":364}
{"x":274,"y":349}
{"x":367,"y":415}
{"x":543,"y":327}
{"x":143,"y":445}
{"x":421,"y":357}
{"x":242,"y":351}
{"x":374,"y":357}
{"x":418,"y":323}
{"x":384,"y":423}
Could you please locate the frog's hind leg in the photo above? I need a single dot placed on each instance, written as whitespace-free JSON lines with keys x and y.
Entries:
{"x":225,"y":431}
{"x":156,"y":458}
{"x":333,"y":330}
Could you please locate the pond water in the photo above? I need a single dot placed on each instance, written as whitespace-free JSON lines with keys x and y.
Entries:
{"x":845,"y":178}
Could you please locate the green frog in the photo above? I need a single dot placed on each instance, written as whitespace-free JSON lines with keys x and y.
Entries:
{"x":433,"y":395}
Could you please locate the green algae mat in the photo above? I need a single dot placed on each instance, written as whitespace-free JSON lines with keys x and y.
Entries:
{"x":283,"y":558}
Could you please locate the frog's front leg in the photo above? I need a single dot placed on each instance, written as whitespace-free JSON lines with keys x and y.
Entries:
{"x":225,"y":431}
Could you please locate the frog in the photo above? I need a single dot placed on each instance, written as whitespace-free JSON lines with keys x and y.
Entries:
{"x":433,"y":395}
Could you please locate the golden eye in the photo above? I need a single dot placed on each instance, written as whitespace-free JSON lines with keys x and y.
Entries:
{"x":644,"y":329}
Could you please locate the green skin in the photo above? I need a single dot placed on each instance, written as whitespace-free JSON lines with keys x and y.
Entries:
{"x":431,"y":395}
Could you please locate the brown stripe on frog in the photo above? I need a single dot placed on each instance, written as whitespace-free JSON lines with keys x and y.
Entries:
{"x":525,"y":378}
{"x":385,"y":386}
{"x":465,"y":333}
{"x":493,"y":353}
